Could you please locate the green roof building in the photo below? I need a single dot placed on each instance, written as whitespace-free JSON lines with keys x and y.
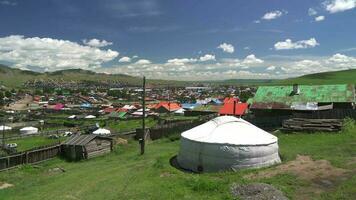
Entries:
{"x":117,"y":115}
{"x":303,"y":97}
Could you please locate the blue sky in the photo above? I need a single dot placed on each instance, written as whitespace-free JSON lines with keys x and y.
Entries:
{"x":176,"y":39}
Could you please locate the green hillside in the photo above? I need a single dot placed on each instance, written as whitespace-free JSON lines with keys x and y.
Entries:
{"x":12,"y":77}
{"x":337,"y":77}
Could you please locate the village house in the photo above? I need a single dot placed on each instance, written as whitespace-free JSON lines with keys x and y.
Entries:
{"x":80,"y":147}
{"x":288,"y":100}
{"x":232,"y":106}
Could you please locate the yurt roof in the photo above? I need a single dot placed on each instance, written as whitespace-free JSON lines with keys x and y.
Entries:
{"x":28,"y":128}
{"x":102,"y":131}
{"x":229,"y":130}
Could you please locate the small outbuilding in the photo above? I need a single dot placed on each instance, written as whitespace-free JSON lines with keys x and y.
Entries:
{"x":227,"y":143}
{"x":79,"y":147}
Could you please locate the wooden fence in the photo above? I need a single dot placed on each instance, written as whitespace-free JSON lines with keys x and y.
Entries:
{"x":30,"y":157}
{"x":172,"y":127}
{"x":49,"y":132}
{"x":327,"y":114}
{"x":267,"y":122}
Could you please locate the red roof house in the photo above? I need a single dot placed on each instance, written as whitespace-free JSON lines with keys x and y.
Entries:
{"x":109,"y":110}
{"x":167,"y":107}
{"x":228,"y":109}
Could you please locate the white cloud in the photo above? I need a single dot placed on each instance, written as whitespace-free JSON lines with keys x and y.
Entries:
{"x":340,"y":58}
{"x":248,"y":67}
{"x":252,"y":60}
{"x":302,"y":44}
{"x":256,"y":21}
{"x":207,"y":57}
{"x":335,"y":6}
{"x":143,"y":62}
{"x":228,"y":48}
{"x":319,"y":18}
{"x":271,"y":68}
{"x":181,"y":61}
{"x":51,"y":54}
{"x":312,"y":11}
{"x":125,"y":59}
{"x":8,"y":3}
{"x":96,"y":43}
{"x":272,"y":15}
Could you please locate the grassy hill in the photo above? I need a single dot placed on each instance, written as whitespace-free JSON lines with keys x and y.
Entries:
{"x":12,"y":77}
{"x":337,"y":77}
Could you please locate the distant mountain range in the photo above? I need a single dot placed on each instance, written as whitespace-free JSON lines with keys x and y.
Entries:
{"x":12,"y":77}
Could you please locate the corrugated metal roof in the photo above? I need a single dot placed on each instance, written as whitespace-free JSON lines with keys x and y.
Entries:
{"x":228,"y":109}
{"x":79,"y":139}
{"x":283,"y":97}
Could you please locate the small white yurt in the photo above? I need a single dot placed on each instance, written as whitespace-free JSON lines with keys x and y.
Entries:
{"x":90,"y":117}
{"x":102,"y":131}
{"x":5,"y":128}
{"x":29,"y":130}
{"x":227,"y":143}
{"x":72,"y":117}
{"x":179,"y":111}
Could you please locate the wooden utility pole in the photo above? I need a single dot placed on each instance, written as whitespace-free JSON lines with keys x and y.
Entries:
{"x":142,"y":140}
{"x":3,"y":134}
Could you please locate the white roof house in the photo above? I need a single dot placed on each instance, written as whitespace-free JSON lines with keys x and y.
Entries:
{"x":72,"y":117}
{"x":180,"y":111}
{"x":102,"y":131}
{"x":29,"y":130}
{"x":129,"y":107}
{"x":227,"y":143}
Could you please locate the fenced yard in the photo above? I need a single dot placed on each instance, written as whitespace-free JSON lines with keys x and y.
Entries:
{"x":30,"y":157}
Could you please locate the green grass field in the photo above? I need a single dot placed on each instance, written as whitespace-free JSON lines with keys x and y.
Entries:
{"x":27,"y":143}
{"x":124,"y":174}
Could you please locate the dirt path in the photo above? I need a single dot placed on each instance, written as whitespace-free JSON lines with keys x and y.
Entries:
{"x":21,"y":104}
{"x":321,"y":175}
{"x":4,"y":185}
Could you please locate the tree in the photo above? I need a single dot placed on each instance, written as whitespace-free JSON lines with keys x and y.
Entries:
{"x":245,"y":95}
{"x":1,"y":98}
{"x":8,"y":94}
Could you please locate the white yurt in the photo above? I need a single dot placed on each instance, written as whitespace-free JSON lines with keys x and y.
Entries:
{"x":29,"y":130}
{"x":227,"y":143}
{"x":179,"y":111}
{"x":5,"y":128}
{"x":102,"y":131}
{"x":72,"y":117}
{"x":90,"y":117}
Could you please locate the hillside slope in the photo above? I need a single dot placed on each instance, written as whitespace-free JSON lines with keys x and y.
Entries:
{"x":336,"y":77}
{"x":12,"y":77}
